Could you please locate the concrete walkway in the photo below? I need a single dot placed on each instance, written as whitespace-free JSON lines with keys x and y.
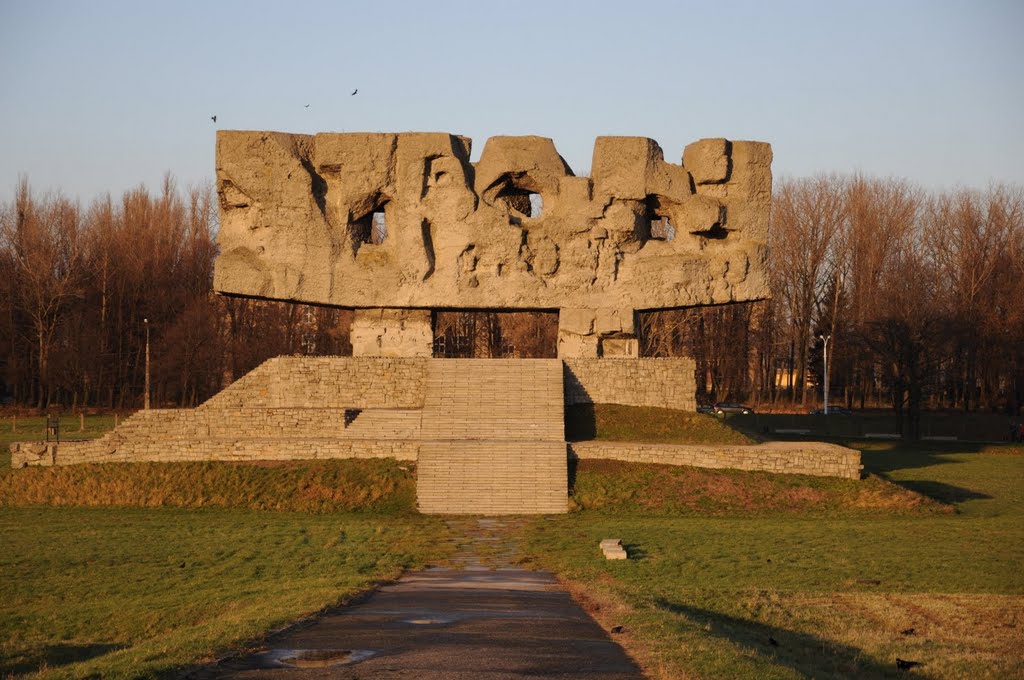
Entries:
{"x":471,"y":621}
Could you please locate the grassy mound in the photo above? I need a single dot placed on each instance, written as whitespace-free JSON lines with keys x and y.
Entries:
{"x":630,"y":488}
{"x":614,"y":422}
{"x":377,"y":485}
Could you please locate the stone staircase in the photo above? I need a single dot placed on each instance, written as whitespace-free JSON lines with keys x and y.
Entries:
{"x":493,"y":438}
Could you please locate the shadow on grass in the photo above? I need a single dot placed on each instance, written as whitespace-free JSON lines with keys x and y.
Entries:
{"x":54,"y":656}
{"x":808,"y":655}
{"x":943,"y":493}
{"x":573,"y":464}
{"x":635,"y":551}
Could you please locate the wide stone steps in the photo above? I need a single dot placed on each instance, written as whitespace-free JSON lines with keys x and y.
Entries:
{"x":494,"y":399}
{"x":493,"y":438}
{"x":492,"y":477}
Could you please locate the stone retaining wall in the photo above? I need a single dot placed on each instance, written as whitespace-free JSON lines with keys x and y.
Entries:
{"x":665,"y":383}
{"x":800,"y":458}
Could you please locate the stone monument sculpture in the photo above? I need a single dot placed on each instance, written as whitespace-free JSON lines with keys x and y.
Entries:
{"x":395,"y":225}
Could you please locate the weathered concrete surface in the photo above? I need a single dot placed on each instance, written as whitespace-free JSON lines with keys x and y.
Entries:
{"x":297,"y":215}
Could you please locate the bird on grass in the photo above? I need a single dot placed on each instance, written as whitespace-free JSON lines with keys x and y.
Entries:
{"x":772,"y":641}
{"x":904,"y":665}
{"x":617,"y":629}
{"x":907,"y":631}
{"x":354,"y":92}
{"x":213,"y":118}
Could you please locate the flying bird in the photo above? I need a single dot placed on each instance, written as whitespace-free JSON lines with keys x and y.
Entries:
{"x":213,"y":118}
{"x":906,"y":665}
{"x":354,"y":92}
{"x":307,"y":106}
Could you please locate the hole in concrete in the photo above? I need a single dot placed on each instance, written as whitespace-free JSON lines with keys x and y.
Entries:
{"x":536,"y":205}
{"x":371,"y":228}
{"x":379,"y":229}
{"x":658,"y":225}
{"x":662,"y":229}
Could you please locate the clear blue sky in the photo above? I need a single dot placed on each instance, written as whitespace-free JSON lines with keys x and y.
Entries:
{"x":100,"y":95}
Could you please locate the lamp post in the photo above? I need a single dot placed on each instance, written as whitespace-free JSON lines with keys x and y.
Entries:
{"x":825,"y":339}
{"x":145,"y":404}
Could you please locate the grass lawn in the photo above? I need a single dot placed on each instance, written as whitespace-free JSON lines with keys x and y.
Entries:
{"x":34,"y":429}
{"x":613,"y":422}
{"x":118,"y":593}
{"x":751,"y":589}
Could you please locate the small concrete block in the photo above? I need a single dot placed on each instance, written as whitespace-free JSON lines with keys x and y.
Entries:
{"x":619,"y":554}
{"x":611,"y":543}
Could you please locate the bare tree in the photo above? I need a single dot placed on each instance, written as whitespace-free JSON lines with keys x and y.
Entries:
{"x":807,"y":216}
{"x":45,"y":251}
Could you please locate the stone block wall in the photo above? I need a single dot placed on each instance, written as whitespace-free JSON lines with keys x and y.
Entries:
{"x":328,"y":382}
{"x":798,"y":458}
{"x":665,"y":383}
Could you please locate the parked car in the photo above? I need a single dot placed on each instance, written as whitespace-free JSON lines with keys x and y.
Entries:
{"x":832,"y":411}
{"x":722,"y":407}
{"x":705,"y":408}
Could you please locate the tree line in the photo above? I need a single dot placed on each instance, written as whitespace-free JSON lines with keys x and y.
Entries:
{"x":919,"y":295}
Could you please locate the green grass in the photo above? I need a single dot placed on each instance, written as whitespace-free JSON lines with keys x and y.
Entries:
{"x":613,"y":422}
{"x":119,"y":593}
{"x":377,"y":485}
{"x":701,"y":596}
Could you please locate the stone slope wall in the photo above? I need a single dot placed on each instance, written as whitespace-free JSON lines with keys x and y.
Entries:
{"x":328,"y":382}
{"x":665,"y":383}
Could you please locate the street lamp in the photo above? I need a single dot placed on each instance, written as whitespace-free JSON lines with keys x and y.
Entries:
{"x":825,"y":339}
{"x":146,"y":398}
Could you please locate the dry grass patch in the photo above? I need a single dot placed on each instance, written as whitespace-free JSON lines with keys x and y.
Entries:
{"x":380,"y":485}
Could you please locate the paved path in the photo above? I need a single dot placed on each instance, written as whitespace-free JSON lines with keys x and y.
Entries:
{"x":482,"y":619}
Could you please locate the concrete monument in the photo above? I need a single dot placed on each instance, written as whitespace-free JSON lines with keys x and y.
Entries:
{"x":397,"y":224}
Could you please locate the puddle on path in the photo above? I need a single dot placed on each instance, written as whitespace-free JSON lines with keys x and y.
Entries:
{"x":312,"y":658}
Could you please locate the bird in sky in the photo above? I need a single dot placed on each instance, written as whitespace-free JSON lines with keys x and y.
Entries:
{"x":213,"y":118}
{"x":306,"y":106}
{"x":354,"y":92}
